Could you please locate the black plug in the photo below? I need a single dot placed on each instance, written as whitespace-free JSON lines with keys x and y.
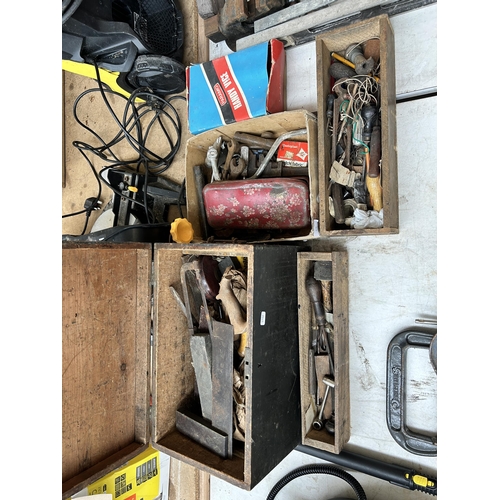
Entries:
{"x":92,"y":204}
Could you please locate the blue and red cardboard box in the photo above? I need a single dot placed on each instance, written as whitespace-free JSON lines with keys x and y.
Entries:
{"x":236,"y":87}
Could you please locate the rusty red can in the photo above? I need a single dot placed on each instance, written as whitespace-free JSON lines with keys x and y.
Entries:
{"x":270,"y":203}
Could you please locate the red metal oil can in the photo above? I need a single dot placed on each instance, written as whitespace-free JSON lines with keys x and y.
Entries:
{"x":270,"y":203}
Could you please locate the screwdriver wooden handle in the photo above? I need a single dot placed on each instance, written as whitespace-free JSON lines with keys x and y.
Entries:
{"x":313,"y":288}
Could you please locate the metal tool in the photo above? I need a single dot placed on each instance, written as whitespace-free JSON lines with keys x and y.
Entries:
{"x":212,"y":158}
{"x":336,"y":190}
{"x":201,"y":354}
{"x":362,"y":66}
{"x":322,"y":369}
{"x":222,"y":381}
{"x":433,"y":353}
{"x":313,"y":384}
{"x":330,"y":424}
{"x":199,"y":182}
{"x":369,"y":115}
{"x":200,"y":430}
{"x":313,"y":288}
{"x":318,"y":421}
{"x":203,"y":288}
{"x":272,"y":169}
{"x":323,"y":274}
{"x":414,"y":442}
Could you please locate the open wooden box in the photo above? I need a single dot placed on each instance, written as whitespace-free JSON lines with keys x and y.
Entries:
{"x":339,"y":341}
{"x":337,"y":41}
{"x":117,"y":398}
{"x":106,"y":384}
{"x":275,"y":124}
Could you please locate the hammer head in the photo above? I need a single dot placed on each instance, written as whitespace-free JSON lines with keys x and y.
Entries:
{"x":323,"y":270}
{"x":327,"y":380}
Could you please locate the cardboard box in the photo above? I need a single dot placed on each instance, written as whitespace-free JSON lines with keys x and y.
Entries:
{"x":338,"y":40}
{"x":275,"y":124}
{"x":293,"y":153}
{"x":339,"y":341}
{"x":117,"y":399}
{"x":137,"y":479}
{"x":236,"y":87}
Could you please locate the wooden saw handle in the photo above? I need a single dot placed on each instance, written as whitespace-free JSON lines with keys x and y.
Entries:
{"x":233,"y":310}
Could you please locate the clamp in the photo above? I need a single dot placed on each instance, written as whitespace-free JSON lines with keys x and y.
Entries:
{"x":411,"y":441}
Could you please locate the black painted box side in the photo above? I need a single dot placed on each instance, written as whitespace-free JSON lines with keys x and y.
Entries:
{"x":274,"y":367}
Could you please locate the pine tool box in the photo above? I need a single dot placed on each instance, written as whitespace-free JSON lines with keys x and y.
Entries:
{"x":129,"y":372}
{"x":357,"y":143}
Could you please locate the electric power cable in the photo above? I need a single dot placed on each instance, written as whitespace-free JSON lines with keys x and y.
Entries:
{"x":134,"y":129}
{"x":318,"y":469}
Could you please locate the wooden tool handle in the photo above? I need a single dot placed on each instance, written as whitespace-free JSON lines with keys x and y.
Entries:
{"x":375,"y":190}
{"x":338,"y":204}
{"x":235,"y":313}
{"x":254,"y":141}
{"x":313,"y":288}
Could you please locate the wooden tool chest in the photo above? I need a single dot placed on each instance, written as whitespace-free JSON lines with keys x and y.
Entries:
{"x":127,"y":364}
{"x":337,"y":41}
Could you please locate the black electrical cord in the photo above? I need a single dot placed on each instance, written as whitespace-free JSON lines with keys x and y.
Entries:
{"x":318,"y":469}
{"x":69,"y":7}
{"x":134,"y":129}
{"x":179,"y":198}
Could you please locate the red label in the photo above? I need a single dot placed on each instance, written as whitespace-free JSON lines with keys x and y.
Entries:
{"x":232,"y":90}
{"x":219,"y":93}
{"x":131,"y":497}
{"x":293,"y":152}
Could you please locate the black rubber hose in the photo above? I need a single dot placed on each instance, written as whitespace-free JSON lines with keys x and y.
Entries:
{"x":318,"y":469}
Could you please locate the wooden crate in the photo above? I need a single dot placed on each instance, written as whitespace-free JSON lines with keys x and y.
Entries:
{"x":271,"y":362}
{"x":340,"y":344}
{"x":277,"y":124}
{"x":106,"y":318}
{"x":116,"y":399}
{"x":338,"y":40}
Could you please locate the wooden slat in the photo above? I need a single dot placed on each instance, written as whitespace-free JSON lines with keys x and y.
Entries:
{"x":187,"y":482}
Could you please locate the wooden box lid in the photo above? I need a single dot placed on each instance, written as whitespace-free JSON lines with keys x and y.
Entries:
{"x":106,"y":324}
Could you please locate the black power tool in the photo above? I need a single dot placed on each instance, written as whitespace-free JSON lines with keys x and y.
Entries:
{"x":132,"y":43}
